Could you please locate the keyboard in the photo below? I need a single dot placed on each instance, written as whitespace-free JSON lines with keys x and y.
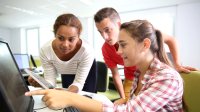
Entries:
{"x":71,"y":109}
{"x":45,"y":84}
{"x":74,"y":109}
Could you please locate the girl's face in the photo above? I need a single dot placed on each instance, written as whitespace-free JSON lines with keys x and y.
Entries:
{"x":129,"y":49}
{"x":66,"y":39}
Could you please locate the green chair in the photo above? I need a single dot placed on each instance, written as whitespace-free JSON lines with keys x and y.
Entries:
{"x":102,"y":82}
{"x":191,"y":93}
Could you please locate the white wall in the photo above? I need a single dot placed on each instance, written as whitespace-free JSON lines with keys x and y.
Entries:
{"x":5,"y":34}
{"x":87,"y":32}
{"x":162,"y":18}
{"x":15,"y":40}
{"x":187,"y":32}
{"x":46,"y":33}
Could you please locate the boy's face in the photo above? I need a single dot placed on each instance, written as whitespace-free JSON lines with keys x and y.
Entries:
{"x":109,"y":30}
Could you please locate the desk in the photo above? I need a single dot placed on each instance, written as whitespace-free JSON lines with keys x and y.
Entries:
{"x":39,"y":103}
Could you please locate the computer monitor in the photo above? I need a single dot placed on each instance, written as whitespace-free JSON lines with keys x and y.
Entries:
{"x":12,"y":84}
{"x":22,"y":60}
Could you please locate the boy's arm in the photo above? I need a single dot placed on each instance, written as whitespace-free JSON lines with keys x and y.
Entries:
{"x":117,"y":81}
{"x":173,"y":47}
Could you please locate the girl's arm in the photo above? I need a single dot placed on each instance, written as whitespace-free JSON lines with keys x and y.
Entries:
{"x":58,"y":99}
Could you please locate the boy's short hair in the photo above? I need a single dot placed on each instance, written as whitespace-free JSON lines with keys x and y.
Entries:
{"x":107,"y":12}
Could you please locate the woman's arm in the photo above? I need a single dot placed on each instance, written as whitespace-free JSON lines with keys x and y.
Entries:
{"x":49,"y":69}
{"x":73,"y":88}
{"x":85,"y":61}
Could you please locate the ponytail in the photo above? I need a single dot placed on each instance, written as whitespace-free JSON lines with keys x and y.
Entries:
{"x":161,"y":54}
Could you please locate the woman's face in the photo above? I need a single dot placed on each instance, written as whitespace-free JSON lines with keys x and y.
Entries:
{"x":66,"y":39}
{"x":129,"y":49}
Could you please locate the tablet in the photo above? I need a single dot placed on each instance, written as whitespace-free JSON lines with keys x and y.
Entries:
{"x":45,"y":84}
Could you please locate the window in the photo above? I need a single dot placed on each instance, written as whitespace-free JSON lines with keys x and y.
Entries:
{"x":32,"y":41}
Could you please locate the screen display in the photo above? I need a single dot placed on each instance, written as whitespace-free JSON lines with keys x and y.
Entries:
{"x":22,"y":60}
{"x":12,"y":84}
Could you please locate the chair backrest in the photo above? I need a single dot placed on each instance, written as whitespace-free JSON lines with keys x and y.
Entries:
{"x":102,"y":76}
{"x":191,"y":93}
{"x":90,"y":83}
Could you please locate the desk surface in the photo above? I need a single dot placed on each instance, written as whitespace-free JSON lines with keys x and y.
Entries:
{"x":39,"y":103}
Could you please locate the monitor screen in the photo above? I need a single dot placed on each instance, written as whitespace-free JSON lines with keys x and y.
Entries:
{"x":22,"y":60}
{"x":12,"y":84}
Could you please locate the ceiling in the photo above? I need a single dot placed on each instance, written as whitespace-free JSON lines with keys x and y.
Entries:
{"x":23,"y":13}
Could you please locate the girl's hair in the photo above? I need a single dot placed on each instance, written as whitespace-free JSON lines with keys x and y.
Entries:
{"x":67,"y":20}
{"x":107,"y":12}
{"x":141,"y":29}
